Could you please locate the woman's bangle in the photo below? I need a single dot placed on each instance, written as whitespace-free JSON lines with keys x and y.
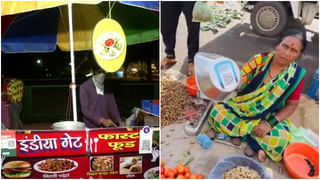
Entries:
{"x":276,"y":118}
{"x":268,"y":124}
{"x":273,"y":121}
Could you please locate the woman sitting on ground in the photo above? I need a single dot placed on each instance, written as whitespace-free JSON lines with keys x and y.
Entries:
{"x":271,"y":84}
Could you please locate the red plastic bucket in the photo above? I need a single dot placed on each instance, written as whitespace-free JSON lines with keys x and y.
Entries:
{"x":294,"y":160}
{"x":192,"y":85}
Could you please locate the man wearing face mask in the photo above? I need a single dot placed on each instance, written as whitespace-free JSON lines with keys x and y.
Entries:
{"x":98,"y":105}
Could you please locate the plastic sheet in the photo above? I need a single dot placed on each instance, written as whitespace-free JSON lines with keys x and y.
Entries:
{"x":232,"y":161}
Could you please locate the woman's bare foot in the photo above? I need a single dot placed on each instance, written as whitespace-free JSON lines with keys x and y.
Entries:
{"x":168,"y":62}
{"x":248,"y":151}
{"x":211,"y":134}
{"x":262,"y":155}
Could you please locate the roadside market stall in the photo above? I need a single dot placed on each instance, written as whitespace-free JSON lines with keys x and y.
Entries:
{"x":183,"y":125}
{"x":73,"y":151}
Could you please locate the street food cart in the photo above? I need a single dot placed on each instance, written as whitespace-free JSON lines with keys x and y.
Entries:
{"x":89,"y":153}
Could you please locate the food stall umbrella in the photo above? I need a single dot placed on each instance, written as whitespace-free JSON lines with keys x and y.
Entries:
{"x":44,"y":29}
{"x":45,"y":41}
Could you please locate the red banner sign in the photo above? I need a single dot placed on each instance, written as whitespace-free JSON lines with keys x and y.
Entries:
{"x":113,"y":141}
{"x":114,"y":166}
{"x":51,"y":143}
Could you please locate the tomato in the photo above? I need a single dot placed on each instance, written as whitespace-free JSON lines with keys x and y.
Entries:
{"x":171,"y":177}
{"x":180,"y":177}
{"x":162,"y":176}
{"x":187,"y":175}
{"x":193,"y":176}
{"x":166,"y":172}
{"x":171,"y":173}
{"x":180,"y":169}
{"x":109,"y":42}
{"x":200,"y":176}
{"x":162,"y":171}
{"x":161,"y":163}
{"x":186,"y":169}
{"x":175,"y":171}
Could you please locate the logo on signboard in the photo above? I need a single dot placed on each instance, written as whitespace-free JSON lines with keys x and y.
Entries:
{"x":109,"y":45}
{"x":146,"y":130}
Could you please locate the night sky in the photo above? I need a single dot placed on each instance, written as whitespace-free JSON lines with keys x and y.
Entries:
{"x":54,"y":66}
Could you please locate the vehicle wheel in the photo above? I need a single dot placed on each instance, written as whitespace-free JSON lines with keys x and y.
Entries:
{"x":269,"y":18}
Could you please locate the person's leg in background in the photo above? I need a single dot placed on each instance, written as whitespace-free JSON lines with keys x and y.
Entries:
{"x":170,"y":12}
{"x":193,"y":35}
{"x":14,"y":112}
{"x":19,"y":110}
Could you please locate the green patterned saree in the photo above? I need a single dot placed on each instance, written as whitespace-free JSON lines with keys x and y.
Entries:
{"x":238,"y":115}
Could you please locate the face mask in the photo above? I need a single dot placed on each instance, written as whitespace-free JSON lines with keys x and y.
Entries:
{"x":99,"y":78}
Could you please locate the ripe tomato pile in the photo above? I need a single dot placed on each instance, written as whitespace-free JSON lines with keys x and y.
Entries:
{"x":179,"y":172}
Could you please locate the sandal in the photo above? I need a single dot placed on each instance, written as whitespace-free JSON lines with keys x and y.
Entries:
{"x":190,"y":69}
{"x":236,"y":141}
{"x":248,"y":151}
{"x":166,"y":63}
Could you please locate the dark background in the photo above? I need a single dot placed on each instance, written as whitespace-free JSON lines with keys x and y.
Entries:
{"x":47,"y":83}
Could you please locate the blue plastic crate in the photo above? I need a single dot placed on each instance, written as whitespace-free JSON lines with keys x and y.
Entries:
{"x":313,"y":91}
{"x":151,"y":106}
{"x":155,"y":109}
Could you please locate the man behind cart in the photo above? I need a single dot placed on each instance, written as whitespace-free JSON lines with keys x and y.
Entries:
{"x":98,"y":105}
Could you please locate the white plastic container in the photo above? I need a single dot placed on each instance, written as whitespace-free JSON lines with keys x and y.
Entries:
{"x":312,"y":138}
{"x":216,"y":76}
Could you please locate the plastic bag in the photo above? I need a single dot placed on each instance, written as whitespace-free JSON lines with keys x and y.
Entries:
{"x":304,"y":135}
{"x":232,"y":161}
{"x":140,"y":117}
{"x":201,"y":12}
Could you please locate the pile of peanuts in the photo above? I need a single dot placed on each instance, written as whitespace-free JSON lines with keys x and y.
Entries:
{"x":241,"y":172}
{"x":174,"y":99}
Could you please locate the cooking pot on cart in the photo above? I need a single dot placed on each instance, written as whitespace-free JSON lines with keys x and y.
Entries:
{"x":68,"y":125}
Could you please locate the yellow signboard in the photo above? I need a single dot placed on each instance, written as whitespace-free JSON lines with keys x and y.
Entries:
{"x":109,"y":45}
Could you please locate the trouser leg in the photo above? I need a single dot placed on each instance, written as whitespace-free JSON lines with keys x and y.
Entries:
{"x":14,"y":112}
{"x":193,"y":31}
{"x":170,"y":12}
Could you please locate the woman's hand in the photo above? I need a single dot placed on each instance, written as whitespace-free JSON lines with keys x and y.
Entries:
{"x":262,"y":129}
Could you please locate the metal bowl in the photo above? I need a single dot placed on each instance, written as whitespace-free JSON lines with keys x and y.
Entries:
{"x":68,"y":125}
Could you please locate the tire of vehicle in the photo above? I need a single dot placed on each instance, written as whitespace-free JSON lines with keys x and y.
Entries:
{"x":269,"y":18}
